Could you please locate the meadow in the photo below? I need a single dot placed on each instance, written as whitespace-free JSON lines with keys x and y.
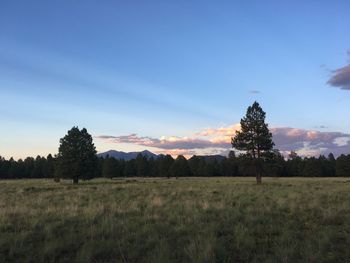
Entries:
{"x":169,"y":220}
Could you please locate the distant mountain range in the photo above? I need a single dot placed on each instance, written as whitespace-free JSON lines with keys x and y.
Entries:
{"x":132,"y":155}
{"x":126,"y":156}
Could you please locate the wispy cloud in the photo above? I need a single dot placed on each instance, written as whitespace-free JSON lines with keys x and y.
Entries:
{"x":218,"y":140}
{"x":341,"y":77}
{"x":70,"y":77}
{"x":254,"y":91}
{"x":168,"y":143}
{"x":321,"y":127}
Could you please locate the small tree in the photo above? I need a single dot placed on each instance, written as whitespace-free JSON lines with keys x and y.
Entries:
{"x":77,"y":155}
{"x":254,"y":138}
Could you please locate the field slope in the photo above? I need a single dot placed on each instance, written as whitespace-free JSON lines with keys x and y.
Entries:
{"x":168,"y":220}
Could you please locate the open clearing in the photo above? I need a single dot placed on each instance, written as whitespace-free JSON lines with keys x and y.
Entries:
{"x":169,"y":220}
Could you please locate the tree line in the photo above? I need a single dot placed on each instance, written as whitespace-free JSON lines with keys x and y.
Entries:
{"x":77,"y":159}
{"x":167,"y":166}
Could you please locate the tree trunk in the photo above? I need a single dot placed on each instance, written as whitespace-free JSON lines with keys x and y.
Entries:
{"x":258,"y":178}
{"x":75,"y":180}
{"x":258,"y":170}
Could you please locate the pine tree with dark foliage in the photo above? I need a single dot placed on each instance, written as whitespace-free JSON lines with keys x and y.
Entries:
{"x":142,"y":166}
{"x":180,"y":167}
{"x":110,"y":168}
{"x":77,"y":155}
{"x":164,"y":163}
{"x":254,"y":138}
{"x":343,"y":165}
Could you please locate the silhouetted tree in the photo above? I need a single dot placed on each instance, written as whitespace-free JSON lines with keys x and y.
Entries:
{"x":312,"y":167}
{"x":180,"y":167}
{"x":292,"y":155}
{"x":294,"y":165}
{"x":274,"y":164}
{"x":110,"y":168}
{"x":37,"y":171}
{"x":194,"y":163}
{"x":77,"y":155}
{"x":28,"y":167}
{"x":232,"y":155}
{"x":254,"y":138}
{"x":142,"y":166}
{"x":163,"y":164}
{"x":331,"y":165}
{"x":129,"y":168}
{"x":230,"y":166}
{"x":48,"y":169}
{"x":3,"y":168}
{"x":202,"y":169}
{"x":16,"y":169}
{"x":212,"y":168}
{"x":343,"y":165}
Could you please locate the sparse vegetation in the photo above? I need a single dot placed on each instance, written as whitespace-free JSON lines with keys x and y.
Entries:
{"x":167,"y":220}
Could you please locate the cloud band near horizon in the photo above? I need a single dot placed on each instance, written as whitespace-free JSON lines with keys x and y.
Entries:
{"x":218,"y":141}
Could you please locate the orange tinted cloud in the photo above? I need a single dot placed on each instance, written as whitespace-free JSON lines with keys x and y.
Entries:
{"x":225,"y":131}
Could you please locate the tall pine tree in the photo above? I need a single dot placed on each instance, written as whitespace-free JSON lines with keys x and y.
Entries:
{"x":254,"y":138}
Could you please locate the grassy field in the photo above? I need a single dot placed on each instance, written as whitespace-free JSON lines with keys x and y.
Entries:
{"x":168,"y":220}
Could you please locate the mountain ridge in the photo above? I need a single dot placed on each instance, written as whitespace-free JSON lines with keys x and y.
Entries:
{"x":127,"y":156}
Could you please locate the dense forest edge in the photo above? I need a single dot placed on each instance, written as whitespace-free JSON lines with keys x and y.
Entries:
{"x":199,"y":166}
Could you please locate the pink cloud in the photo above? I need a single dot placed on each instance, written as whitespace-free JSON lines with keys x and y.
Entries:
{"x":225,"y":131}
{"x":168,"y":143}
{"x":212,"y":141}
{"x":307,"y":142}
{"x":292,"y":132}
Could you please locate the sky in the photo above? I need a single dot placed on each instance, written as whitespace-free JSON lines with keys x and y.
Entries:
{"x":173,"y":76}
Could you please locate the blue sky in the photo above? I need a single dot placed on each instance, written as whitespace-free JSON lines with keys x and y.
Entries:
{"x":168,"y":71}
